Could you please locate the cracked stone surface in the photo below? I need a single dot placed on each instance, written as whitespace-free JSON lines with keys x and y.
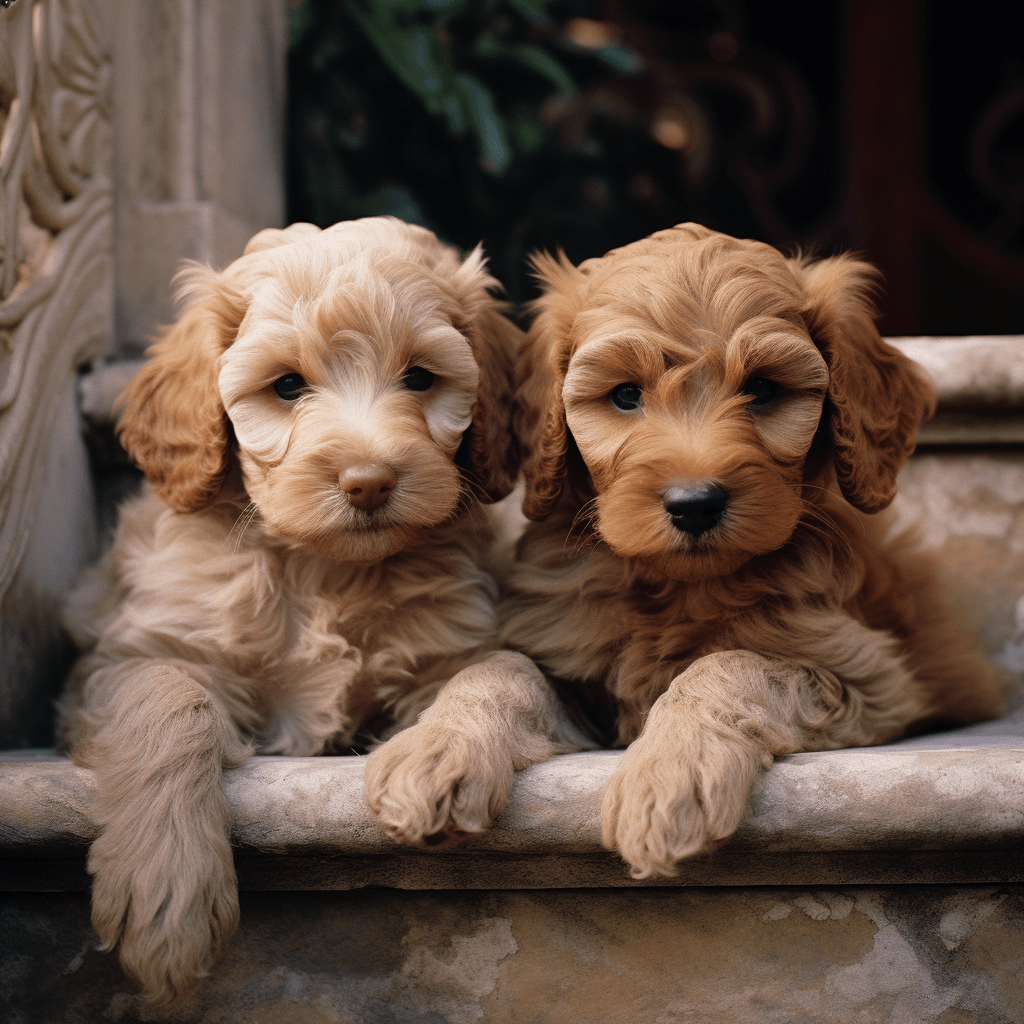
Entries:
{"x":871,"y":954}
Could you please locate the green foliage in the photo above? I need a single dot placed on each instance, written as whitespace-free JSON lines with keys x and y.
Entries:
{"x":432,"y":111}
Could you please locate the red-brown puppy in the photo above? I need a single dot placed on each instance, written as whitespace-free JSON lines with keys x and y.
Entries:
{"x":710,"y":430}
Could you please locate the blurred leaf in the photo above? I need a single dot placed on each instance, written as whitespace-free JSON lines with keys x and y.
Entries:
{"x":407,"y":52}
{"x":422,"y":50}
{"x":495,"y":153}
{"x":454,"y":113}
{"x":620,"y":59}
{"x":490,"y":46}
{"x":538,"y":60}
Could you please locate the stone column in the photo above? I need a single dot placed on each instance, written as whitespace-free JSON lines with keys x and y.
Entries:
{"x":199,"y":143}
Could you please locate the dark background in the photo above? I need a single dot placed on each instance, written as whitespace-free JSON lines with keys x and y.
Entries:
{"x":886,"y":126}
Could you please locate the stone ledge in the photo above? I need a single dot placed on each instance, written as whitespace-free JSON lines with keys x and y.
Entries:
{"x":980,"y":384}
{"x":938,"y":809}
{"x":981,"y":372}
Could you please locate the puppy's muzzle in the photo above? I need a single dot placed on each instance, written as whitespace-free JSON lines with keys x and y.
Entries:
{"x":697,"y":508}
{"x":368,"y":487}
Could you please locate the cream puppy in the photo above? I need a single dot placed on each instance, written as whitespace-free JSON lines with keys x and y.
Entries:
{"x":307,"y":568}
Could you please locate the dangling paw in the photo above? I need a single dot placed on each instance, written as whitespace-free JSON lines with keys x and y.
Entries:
{"x":172,"y":906}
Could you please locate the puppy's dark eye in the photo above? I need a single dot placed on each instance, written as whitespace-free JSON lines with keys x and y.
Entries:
{"x":418,"y":379}
{"x":626,"y":396}
{"x":762,"y":391}
{"x":290,"y":386}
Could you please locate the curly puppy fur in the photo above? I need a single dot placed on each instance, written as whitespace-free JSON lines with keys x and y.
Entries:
{"x":307,"y":568}
{"x":709,"y":432}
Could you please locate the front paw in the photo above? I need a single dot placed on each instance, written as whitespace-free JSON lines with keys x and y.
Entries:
{"x":432,"y":786}
{"x":663,"y":804}
{"x":172,"y":906}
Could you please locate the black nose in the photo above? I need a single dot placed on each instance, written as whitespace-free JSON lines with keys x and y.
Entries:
{"x":695,"y":509}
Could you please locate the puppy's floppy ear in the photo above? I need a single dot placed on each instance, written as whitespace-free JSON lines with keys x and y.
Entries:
{"x":488,"y":454}
{"x":539,"y":417}
{"x":174,"y":424}
{"x":878,"y":397}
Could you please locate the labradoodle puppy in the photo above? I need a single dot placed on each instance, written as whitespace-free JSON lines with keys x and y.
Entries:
{"x":307,"y":569}
{"x":710,"y":431}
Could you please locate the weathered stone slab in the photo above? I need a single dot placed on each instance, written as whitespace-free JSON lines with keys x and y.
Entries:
{"x":807,"y":809}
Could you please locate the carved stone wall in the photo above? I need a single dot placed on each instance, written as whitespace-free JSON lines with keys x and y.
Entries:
{"x":135,"y":133}
{"x":56,"y":308}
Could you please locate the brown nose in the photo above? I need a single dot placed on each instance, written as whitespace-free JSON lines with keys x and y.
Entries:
{"x":368,"y":487}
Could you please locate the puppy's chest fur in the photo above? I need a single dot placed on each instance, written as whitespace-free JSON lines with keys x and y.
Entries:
{"x":304,"y":650}
{"x":589,"y":622}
